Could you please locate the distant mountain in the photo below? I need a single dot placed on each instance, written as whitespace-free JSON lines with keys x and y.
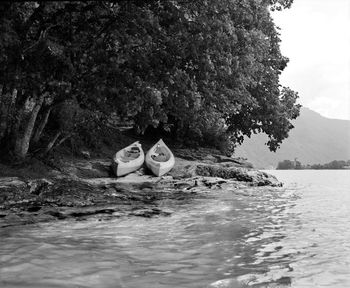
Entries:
{"x":315,"y":139}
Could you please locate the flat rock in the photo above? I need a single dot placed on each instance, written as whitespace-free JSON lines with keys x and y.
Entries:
{"x":85,"y":187}
{"x":11,"y":181}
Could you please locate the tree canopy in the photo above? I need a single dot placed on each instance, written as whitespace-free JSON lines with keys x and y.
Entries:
{"x":199,"y":69}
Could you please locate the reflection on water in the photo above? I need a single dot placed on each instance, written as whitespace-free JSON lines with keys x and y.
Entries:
{"x":295,"y":236}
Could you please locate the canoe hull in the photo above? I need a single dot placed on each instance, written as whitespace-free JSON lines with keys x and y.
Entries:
{"x":121,"y":168}
{"x":160,"y":168}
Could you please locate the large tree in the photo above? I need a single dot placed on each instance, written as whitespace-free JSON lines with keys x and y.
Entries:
{"x":186,"y":66}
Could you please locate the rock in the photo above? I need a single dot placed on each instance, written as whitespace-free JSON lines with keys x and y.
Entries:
{"x":55,"y":213}
{"x":182,"y":185}
{"x":85,"y":154}
{"x":255,"y":177}
{"x":213,"y":182}
{"x":209,"y":158}
{"x":82,"y":188}
{"x":38,"y":185}
{"x":263,"y":179}
{"x":238,"y":162}
{"x":148,"y":213}
{"x":12,"y":219}
{"x":224,"y":283}
{"x":223,"y":172}
{"x":34,"y":208}
{"x":43,"y":217}
{"x":183,"y":171}
{"x":11,"y":181}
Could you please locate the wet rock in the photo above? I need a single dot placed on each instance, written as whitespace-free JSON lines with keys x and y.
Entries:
{"x":34,"y":208}
{"x":182,"y":185}
{"x":55,"y":213}
{"x":148,"y":213}
{"x":90,"y":212}
{"x":38,"y":185}
{"x":6,"y":182}
{"x":84,"y":189}
{"x":11,"y":219}
{"x":85,"y":154}
{"x":263,"y":179}
{"x":44,"y":218}
{"x":253,"y":177}
{"x":222,"y":172}
{"x":229,"y":282}
{"x":213,"y":182}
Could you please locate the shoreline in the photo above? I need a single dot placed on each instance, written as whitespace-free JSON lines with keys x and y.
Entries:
{"x":84,"y":188}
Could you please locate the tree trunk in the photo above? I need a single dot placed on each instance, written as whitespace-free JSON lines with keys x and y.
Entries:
{"x":23,"y":139}
{"x":2,"y":112}
{"x":52,"y":142}
{"x":42,"y":125}
{"x":64,"y":139}
{"x":6,"y":103}
{"x":3,"y":116}
{"x":1,"y":92}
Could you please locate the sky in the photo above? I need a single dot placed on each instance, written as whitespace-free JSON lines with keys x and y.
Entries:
{"x":315,"y":37}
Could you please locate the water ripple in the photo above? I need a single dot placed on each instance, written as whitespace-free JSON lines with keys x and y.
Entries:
{"x":295,"y":236}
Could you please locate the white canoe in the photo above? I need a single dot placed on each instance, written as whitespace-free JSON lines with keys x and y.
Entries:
{"x":128,"y":159}
{"x":160,"y":159}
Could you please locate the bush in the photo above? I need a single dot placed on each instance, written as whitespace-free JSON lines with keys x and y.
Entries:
{"x":211,"y":131}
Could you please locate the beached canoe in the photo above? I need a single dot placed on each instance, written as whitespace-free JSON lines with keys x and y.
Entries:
{"x":128,"y":159}
{"x":160,"y":159}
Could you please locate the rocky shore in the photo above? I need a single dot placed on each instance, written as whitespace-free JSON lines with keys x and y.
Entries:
{"x":85,"y":187}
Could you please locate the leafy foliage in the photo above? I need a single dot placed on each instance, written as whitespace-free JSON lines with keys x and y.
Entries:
{"x":205,"y":70}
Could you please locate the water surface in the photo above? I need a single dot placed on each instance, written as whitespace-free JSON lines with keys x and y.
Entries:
{"x":295,"y":236}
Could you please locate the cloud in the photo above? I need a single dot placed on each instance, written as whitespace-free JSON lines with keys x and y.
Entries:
{"x":315,"y":38}
{"x":328,"y":106}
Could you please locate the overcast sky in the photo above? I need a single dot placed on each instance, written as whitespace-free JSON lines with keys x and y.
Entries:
{"x":316,"y":38}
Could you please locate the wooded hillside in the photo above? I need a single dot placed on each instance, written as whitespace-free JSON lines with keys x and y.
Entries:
{"x":314,"y":140}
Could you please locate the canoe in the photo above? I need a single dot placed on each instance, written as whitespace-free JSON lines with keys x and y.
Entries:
{"x":128,"y":159}
{"x":160,"y":159}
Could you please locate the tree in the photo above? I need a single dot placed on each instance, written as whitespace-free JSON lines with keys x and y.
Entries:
{"x":42,"y":64}
{"x":285,"y":165}
{"x":199,"y":69}
{"x":33,"y":69}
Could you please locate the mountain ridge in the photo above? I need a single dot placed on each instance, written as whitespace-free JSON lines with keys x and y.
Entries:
{"x":315,"y":139}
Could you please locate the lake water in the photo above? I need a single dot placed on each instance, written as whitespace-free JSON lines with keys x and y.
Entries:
{"x":295,"y":236}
